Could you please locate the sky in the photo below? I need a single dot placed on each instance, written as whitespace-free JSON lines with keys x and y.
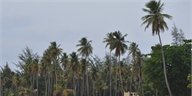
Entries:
{"x":36,"y":23}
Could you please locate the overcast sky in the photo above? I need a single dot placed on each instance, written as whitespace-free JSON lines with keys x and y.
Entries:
{"x":36,"y":23}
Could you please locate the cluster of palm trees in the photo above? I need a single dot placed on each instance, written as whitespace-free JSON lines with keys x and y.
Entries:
{"x":81,"y":74}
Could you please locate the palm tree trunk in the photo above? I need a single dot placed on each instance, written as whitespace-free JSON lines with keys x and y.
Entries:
{"x":110,"y":75}
{"x":164,"y":67}
{"x":46,"y":86}
{"x":37,"y":82}
{"x":74,"y":85}
{"x":93,"y":88}
{"x":116,"y":71}
{"x":82,"y":85}
{"x":121,"y":84}
{"x":156,"y":92}
{"x":48,"y":83}
{"x":87,"y":83}
{"x":87,"y":79}
{"x":141,"y":78}
{"x":130,"y":86}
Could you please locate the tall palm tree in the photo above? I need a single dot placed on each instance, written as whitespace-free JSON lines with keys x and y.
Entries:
{"x":74,"y":68}
{"x":133,"y":49}
{"x":136,"y":55}
{"x":35,"y":72}
{"x":109,"y":42}
{"x":120,"y":48}
{"x":54,"y":51}
{"x":85,"y":49}
{"x":155,"y":18}
{"x":50,"y":61}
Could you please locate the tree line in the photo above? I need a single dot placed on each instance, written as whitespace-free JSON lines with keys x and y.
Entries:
{"x":57,"y":73}
{"x":164,"y":71}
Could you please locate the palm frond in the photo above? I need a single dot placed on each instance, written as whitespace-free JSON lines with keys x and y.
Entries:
{"x":167,"y":16}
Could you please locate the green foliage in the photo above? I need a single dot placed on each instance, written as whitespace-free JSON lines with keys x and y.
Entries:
{"x":55,"y":72}
{"x":178,"y":66}
{"x":189,"y":78}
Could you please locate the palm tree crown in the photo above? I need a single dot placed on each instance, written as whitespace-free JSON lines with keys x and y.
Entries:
{"x":119,"y":43}
{"x":109,"y":40}
{"x":85,"y":48}
{"x":155,"y":17}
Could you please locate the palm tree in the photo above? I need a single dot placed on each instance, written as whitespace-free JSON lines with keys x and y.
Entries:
{"x":119,"y":44}
{"x":109,"y":42}
{"x":54,"y":51}
{"x":35,"y":72}
{"x":120,"y":48}
{"x":50,"y":61}
{"x":74,"y":68}
{"x":155,"y":18}
{"x":133,"y":50}
{"x":85,"y":49}
{"x":64,"y":61}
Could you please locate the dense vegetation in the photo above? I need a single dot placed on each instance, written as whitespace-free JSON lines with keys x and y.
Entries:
{"x":59,"y":73}
{"x":164,"y":71}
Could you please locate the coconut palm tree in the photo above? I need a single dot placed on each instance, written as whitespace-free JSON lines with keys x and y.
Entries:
{"x":119,"y":44}
{"x":85,"y":49}
{"x":50,"y":61}
{"x":74,"y":68}
{"x":133,"y":49}
{"x":109,"y":42}
{"x":155,"y":18}
{"x":136,"y":60}
{"x":64,"y":61}
{"x":120,"y":48}
{"x":54,"y":51}
{"x":35,"y":72}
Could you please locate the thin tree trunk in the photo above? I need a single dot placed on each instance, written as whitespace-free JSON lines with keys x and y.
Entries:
{"x":48,"y":91}
{"x":164,"y":67}
{"x":78,"y":87}
{"x":49,"y":88}
{"x":116,"y":80}
{"x":33,"y":81}
{"x":142,"y":91}
{"x":130,"y":85}
{"x":37,"y":82}
{"x":74,"y":85}
{"x":139,"y":86}
{"x":121,"y":84}
{"x":117,"y":73}
{"x":141,"y":77}
{"x":87,"y":79}
{"x":93,"y":88}
{"x":82,"y":86}
{"x":110,"y":75}
{"x":46,"y":86}
{"x":87,"y":83}
{"x":156,"y":92}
